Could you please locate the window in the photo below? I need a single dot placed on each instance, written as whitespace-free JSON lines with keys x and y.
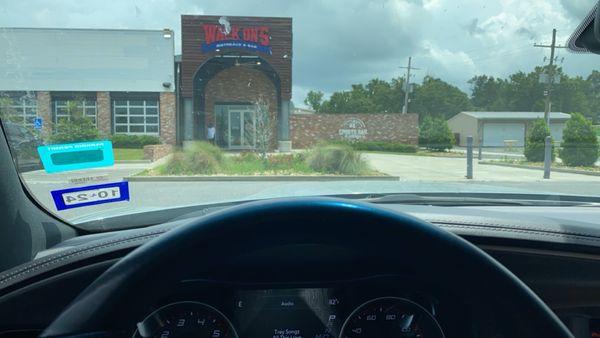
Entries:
{"x":62,"y":111}
{"x":22,"y":110}
{"x":135,"y":116}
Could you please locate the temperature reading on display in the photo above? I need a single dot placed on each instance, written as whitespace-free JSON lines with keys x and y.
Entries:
{"x":288,"y":313}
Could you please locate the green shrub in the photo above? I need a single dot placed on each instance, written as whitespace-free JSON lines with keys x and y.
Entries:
{"x":208,"y":148}
{"x":177,"y":165}
{"x":535,"y":142}
{"x":201,"y":162}
{"x":200,"y":158}
{"x":580,"y":144}
{"x":435,"y":134}
{"x":336,"y":159}
{"x":79,"y":128}
{"x":133,"y":141}
{"x":246,"y":156}
{"x":386,"y":146}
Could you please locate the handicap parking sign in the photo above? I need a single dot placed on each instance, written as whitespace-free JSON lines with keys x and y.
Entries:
{"x":37,"y":123}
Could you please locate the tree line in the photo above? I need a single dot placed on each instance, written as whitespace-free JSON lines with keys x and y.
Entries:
{"x":434,"y":97}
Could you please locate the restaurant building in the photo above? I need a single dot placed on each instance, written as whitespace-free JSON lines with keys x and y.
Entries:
{"x":230,"y":66}
{"x":123,"y":80}
{"x":130,"y":81}
{"x":233,"y":77}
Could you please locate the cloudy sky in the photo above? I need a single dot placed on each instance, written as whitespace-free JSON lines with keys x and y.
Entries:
{"x":340,"y":42}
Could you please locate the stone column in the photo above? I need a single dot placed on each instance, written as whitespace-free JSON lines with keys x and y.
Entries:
{"x":283,"y":131}
{"x":103,"y":117}
{"x":44,"y":110}
{"x":168,"y":118}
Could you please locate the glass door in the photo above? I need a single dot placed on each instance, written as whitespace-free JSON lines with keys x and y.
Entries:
{"x":241,"y":133}
{"x":235,"y":129}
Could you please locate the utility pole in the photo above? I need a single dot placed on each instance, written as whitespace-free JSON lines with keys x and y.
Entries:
{"x":550,"y":76}
{"x":407,"y":85}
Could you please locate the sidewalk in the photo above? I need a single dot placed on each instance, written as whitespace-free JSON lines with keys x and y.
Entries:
{"x":424,"y":168}
{"x":493,"y":153}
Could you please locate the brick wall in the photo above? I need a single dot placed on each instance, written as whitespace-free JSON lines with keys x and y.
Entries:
{"x":103,"y":118}
{"x":307,"y":129}
{"x":168,"y":120}
{"x":44,"y":110}
{"x":240,"y":85}
{"x":157,"y":151}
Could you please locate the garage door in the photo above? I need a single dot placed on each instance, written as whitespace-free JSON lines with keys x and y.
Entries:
{"x":494,"y":134}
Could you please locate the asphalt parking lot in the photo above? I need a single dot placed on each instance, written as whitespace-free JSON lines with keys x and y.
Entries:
{"x":416,"y":174}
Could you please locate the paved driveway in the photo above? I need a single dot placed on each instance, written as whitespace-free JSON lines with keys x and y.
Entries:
{"x":417,"y":174}
{"x":424,"y":168}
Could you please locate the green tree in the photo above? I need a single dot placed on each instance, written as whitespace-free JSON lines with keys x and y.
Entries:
{"x":535,"y":142}
{"x":385,"y":95}
{"x":439,"y":99}
{"x":78,"y":128}
{"x":593,"y":95}
{"x":314,"y":100}
{"x":488,"y":93}
{"x":523,"y":91}
{"x":6,"y":110}
{"x":377,"y":96}
{"x":262,"y":127}
{"x":435,"y":134}
{"x":580,"y":144}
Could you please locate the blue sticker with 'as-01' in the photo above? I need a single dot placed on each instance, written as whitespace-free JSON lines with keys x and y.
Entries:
{"x":90,"y":195}
{"x":76,"y":156}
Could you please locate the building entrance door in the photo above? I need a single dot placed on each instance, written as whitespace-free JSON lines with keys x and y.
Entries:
{"x":241,"y":129}
{"x":236,"y":126}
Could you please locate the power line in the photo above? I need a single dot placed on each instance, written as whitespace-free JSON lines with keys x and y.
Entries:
{"x":407,"y":83}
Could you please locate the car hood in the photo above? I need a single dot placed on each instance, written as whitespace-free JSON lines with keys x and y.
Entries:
{"x":332,"y":188}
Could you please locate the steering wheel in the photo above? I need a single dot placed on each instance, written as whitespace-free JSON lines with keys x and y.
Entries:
{"x":375,"y":231}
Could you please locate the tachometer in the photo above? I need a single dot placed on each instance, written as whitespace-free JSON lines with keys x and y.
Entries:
{"x":186,"y":319}
{"x":391,"y":317}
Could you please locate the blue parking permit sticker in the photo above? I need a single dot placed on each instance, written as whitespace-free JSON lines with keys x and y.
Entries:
{"x":90,"y":195}
{"x":75,"y":156}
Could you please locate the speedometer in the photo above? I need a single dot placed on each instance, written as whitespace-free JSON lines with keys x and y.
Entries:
{"x":186,"y":319}
{"x":391,"y":317}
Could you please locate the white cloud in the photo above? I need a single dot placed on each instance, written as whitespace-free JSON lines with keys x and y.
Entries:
{"x":340,"y":42}
{"x":431,"y":5}
{"x":446,"y":57}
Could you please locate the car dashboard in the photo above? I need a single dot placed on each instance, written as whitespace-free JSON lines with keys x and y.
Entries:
{"x":316,"y":292}
{"x":351,"y":308}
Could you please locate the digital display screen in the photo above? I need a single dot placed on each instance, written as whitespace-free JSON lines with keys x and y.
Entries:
{"x":288,"y":313}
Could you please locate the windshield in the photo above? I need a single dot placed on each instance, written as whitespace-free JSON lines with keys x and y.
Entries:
{"x":116,"y":108}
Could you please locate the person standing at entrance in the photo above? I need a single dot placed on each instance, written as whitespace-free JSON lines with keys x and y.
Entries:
{"x":210,"y":133}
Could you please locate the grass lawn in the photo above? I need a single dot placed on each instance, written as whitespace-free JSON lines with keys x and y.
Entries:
{"x":597,"y":130}
{"x":125,"y":154}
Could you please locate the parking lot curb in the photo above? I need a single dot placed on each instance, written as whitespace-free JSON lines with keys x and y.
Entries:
{"x":558,"y":170}
{"x":248,"y":178}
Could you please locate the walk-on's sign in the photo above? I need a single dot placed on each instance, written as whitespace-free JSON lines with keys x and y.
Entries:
{"x":225,"y":35}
